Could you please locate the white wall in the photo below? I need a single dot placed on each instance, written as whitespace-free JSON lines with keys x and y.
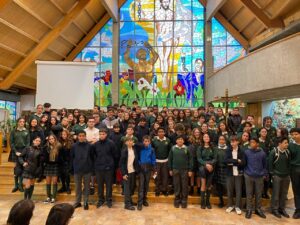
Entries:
{"x":66,"y":84}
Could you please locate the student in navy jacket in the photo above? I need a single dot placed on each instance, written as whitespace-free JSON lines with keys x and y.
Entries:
{"x":254,"y":173}
{"x":147,"y":162}
{"x":82,"y":166}
{"x":104,"y":155}
{"x":234,"y":160}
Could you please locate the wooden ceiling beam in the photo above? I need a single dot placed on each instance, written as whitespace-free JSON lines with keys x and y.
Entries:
{"x":212,"y":7}
{"x":261,"y":16}
{"x":229,"y":27}
{"x":44,"y":44}
{"x":234,"y":14}
{"x":4,"y":3}
{"x":90,"y":16}
{"x":112,"y":8}
{"x":88,"y":37}
{"x":247,"y":24}
{"x":12,"y":50}
{"x":36,"y":16}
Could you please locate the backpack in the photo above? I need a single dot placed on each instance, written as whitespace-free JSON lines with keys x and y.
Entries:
{"x":277,"y":154}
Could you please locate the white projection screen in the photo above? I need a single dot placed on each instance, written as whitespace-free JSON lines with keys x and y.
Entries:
{"x":65,"y":84}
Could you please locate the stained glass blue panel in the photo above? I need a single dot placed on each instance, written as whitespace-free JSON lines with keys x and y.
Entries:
{"x":219,"y":57}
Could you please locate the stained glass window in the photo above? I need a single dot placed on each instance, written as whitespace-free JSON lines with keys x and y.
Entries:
{"x":162,"y":53}
{"x":99,"y":50}
{"x":225,"y":48}
{"x":11,"y":107}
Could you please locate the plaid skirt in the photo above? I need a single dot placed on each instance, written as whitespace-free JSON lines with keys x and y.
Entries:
{"x":28,"y":175}
{"x":220,"y":176}
{"x":51,"y":170}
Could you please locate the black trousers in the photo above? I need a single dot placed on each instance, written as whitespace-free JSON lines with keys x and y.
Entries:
{"x":181,"y":186}
{"x":104,"y":177}
{"x":129,"y":185}
{"x":254,"y":185}
{"x":295,"y":178}
{"x":161,"y":181}
{"x":143,"y":186}
{"x":279,"y":192}
{"x":78,"y":178}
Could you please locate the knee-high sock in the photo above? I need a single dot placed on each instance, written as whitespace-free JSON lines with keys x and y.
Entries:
{"x":54,"y":191}
{"x":48,"y":187}
{"x":31,"y":191}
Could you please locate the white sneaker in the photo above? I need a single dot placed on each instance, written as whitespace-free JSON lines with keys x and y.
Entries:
{"x":47,"y":201}
{"x":238,"y":211}
{"x":229,"y":209}
{"x":52,"y":200}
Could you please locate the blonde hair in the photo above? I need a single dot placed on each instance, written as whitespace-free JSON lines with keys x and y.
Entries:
{"x":54,"y":149}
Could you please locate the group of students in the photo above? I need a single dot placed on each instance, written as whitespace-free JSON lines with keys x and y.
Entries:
{"x":181,"y":148}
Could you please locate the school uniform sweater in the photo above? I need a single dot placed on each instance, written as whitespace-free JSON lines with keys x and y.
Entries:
{"x":180,"y":158}
{"x":206,"y":156}
{"x":294,"y":149}
{"x":162,"y":147}
{"x":81,"y":158}
{"x":255,"y":163}
{"x":279,"y":162}
{"x":19,"y":139}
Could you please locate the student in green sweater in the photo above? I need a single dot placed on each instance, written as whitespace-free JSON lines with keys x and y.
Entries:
{"x":162,"y":146}
{"x":294,"y":149}
{"x":19,"y":139}
{"x":206,"y":160}
{"x":80,"y":126}
{"x":180,"y":166}
{"x":279,"y":168}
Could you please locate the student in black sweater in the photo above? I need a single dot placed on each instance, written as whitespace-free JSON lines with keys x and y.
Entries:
{"x":279,"y":167}
{"x":81,"y":165}
{"x":141,"y":129}
{"x":35,"y":130}
{"x":129,"y":164}
{"x":104,"y":156}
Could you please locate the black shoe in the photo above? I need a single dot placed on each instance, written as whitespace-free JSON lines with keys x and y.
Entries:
{"x":139,"y":207}
{"x":165,"y":193}
{"x":99,"y":204}
{"x":184,"y":205}
{"x":21,"y":189}
{"x":130,"y":207}
{"x":296,"y":215}
{"x":221,"y":203}
{"x":171,"y":192}
{"x":92,"y":190}
{"x":62,"y":190}
{"x":86,"y":206}
{"x":109,"y":204}
{"x":203,"y":206}
{"x":77,"y":205}
{"x":248,"y":214}
{"x":145,"y":203}
{"x":276,"y":213}
{"x":68,"y":191}
{"x":157,"y":193}
{"x":284,"y":213}
{"x":15,"y":189}
{"x":260,"y":213}
{"x":176,"y":204}
{"x":39,"y":180}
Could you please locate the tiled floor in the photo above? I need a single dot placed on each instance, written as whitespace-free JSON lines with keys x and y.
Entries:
{"x":157,"y":213}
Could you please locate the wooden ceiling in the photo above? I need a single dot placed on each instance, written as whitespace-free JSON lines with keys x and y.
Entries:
{"x":57,"y":29}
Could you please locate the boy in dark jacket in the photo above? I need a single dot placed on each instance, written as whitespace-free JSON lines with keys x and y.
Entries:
{"x":147,"y":162}
{"x":180,"y":166}
{"x":254,"y":173}
{"x":104,"y":155}
{"x":279,"y":166}
{"x":294,"y":149}
{"x":81,"y":165}
{"x":141,"y":129}
{"x":129,"y":167}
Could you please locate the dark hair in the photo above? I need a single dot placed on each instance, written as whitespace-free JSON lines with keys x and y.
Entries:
{"x":98,"y":107}
{"x":130,"y":126}
{"x":47,"y":105}
{"x":60,"y":214}
{"x":143,"y":119}
{"x":90,"y":118}
{"x":295,"y":130}
{"x":21,"y":213}
{"x":103,"y":130}
{"x":146,"y":137}
{"x":267,"y":118}
{"x":83,"y":117}
{"x":180,"y":136}
{"x":234,"y":138}
{"x":81,"y":132}
{"x":248,"y":124}
{"x":254,"y":139}
{"x":282,"y":139}
{"x":116,"y":125}
{"x":160,"y":128}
